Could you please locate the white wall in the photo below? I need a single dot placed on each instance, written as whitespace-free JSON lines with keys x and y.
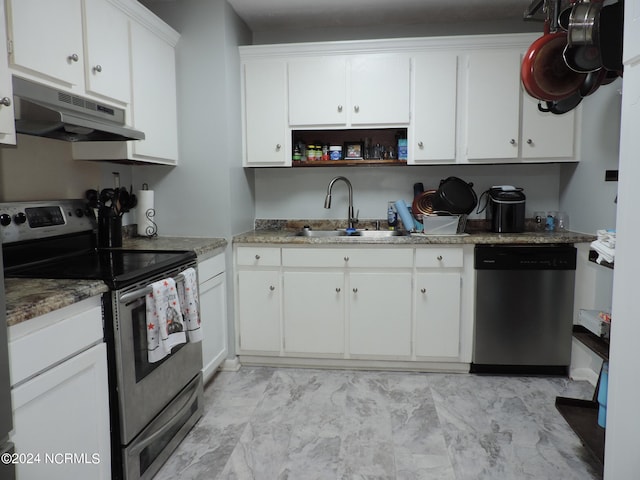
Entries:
{"x":299,"y":192}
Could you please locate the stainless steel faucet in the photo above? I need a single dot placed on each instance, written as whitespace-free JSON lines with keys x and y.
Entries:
{"x":351,"y":217}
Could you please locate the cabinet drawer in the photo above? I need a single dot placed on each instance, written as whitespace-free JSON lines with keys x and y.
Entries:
{"x":346,"y":257}
{"x":211,"y":267}
{"x":439,"y":257}
{"x":258,"y":256}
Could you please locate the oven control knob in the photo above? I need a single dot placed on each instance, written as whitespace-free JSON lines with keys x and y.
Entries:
{"x":20,"y":218}
{"x":5,"y":219}
{"x":79,"y":212}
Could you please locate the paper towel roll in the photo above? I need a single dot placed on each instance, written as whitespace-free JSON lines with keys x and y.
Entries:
{"x":145,"y":212}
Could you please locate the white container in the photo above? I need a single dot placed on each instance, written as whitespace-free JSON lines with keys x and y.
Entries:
{"x":442,"y":225}
{"x":335,"y":152}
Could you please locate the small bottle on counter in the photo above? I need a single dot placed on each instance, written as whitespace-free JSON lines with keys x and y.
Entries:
{"x":392,"y":216}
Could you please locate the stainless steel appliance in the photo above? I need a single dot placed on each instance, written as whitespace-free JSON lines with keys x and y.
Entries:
{"x":7,"y":469}
{"x":505,"y":209}
{"x":152,"y":405}
{"x":524,"y":308}
{"x":47,"y":112}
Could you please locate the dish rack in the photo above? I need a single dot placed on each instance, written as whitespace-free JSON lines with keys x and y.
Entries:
{"x":444,"y":224}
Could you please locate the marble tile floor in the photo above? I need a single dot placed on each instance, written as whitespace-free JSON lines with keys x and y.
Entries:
{"x":305,"y":424}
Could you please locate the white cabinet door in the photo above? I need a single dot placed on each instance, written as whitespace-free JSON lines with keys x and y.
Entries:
{"x":265,"y":114}
{"x":213,"y":315}
{"x":493,"y":104}
{"x":380,"y":89}
{"x":7,"y":120}
{"x":317,"y":91}
{"x":380,"y":314}
{"x":631,"y":48}
{"x":259,"y":310}
{"x":314,"y":312}
{"x":154,"y":104}
{"x":46,"y":39}
{"x":107,"y":51}
{"x":65,"y":410}
{"x":437,"y":322}
{"x":433,"y":129}
{"x":545,"y":135}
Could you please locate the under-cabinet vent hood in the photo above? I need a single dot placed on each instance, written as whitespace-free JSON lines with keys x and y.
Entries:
{"x":48,"y":112}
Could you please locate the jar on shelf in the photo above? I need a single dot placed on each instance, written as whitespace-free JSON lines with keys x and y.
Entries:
{"x":335,"y":152}
{"x":311,"y":152}
{"x":325,"y":152}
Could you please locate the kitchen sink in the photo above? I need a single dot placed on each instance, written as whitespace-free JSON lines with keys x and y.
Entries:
{"x":343,"y":233}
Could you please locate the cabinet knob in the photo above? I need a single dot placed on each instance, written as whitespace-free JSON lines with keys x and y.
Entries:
{"x":6,"y":101}
{"x":423,"y":290}
{"x":97,"y":68}
{"x":278,"y":147}
{"x":420,"y":144}
{"x":512,"y":141}
{"x":257,"y":257}
{"x":439,"y":258}
{"x":346,"y":259}
{"x":529,"y":142}
{"x":339,"y":108}
{"x":73,"y":57}
{"x":338,"y":289}
{"x":272,"y":288}
{"x":355,"y":290}
{"x":356,"y":108}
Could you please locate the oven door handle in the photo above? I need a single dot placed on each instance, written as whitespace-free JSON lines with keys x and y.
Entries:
{"x":136,"y":449}
{"x":141,"y":292}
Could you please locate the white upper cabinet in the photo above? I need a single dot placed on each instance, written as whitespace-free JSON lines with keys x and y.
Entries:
{"x":317,"y":91}
{"x":46,"y":39}
{"x":7,"y":120}
{"x":372,"y":89}
{"x":266,"y":139}
{"x":106,"y":52}
{"x":493,"y":99}
{"x":433,"y":127}
{"x":544,"y":134}
{"x":631,"y":48}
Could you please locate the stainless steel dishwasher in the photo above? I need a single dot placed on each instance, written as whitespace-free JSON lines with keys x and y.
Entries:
{"x":524,"y":308}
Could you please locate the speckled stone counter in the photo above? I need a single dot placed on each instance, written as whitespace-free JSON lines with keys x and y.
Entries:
{"x":30,"y":298}
{"x":203,"y":247}
{"x":289,"y":237}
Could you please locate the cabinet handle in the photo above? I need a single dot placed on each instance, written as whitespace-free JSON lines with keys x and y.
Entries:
{"x":529,"y":142}
{"x":340,"y":108}
{"x":278,"y":147}
{"x":257,"y":257}
{"x":272,"y":288}
{"x":423,"y":290}
{"x":356,"y":108}
{"x":97,"y":68}
{"x":346,"y":259}
{"x":439,"y":258}
{"x":355,"y":290}
{"x":337,"y":289}
{"x":420,"y":144}
{"x":73,"y":57}
{"x":6,"y":101}
{"x":512,"y":141}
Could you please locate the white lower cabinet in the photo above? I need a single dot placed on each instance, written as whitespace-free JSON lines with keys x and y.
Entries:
{"x":314,"y":312}
{"x":380,"y":314}
{"x":259,"y":310}
{"x":354,"y":304}
{"x":213,"y":313}
{"x":437,"y":331}
{"x":60,"y":394}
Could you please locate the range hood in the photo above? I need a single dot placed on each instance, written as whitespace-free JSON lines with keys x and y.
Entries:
{"x":48,"y":112}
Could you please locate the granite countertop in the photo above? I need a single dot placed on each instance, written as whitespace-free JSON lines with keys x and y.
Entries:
{"x":286,"y":236}
{"x":29,"y":298}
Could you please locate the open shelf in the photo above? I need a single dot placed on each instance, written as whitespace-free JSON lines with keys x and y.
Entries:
{"x":350,"y":163}
{"x":591,"y":341}
{"x":593,"y":256}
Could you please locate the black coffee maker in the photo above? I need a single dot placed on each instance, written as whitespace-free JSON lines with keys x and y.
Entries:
{"x":505,"y":207}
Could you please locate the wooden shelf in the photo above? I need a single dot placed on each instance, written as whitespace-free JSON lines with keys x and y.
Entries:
{"x":348,"y":163}
{"x":592,"y":341}
{"x":582,"y":417}
{"x":593,"y":256}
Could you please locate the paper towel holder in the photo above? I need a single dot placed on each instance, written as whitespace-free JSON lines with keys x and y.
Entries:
{"x":151,"y":229}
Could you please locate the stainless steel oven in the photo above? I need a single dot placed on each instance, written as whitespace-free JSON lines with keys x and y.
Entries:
{"x":152,"y":405}
{"x":158,"y":402}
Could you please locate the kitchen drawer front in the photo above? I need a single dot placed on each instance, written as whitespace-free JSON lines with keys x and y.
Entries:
{"x":258,"y":256}
{"x":439,"y":257}
{"x":346,"y":257}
